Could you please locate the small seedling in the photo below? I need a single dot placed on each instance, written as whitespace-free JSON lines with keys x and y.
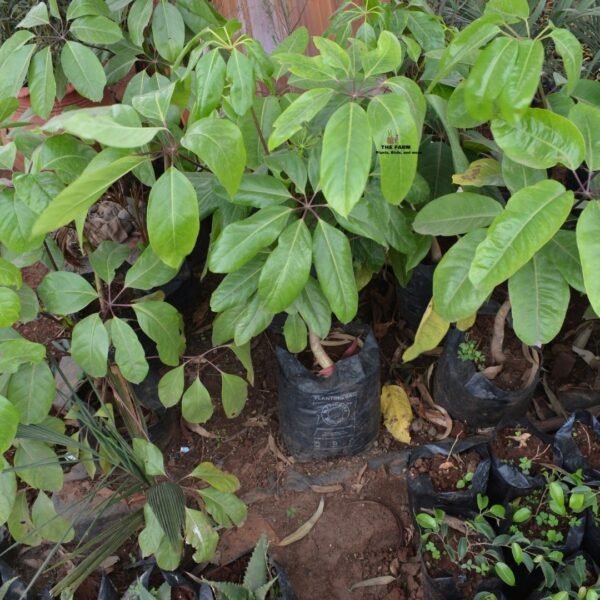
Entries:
{"x":291,"y":512}
{"x":467,"y":350}
{"x":525,"y":465}
{"x":465,"y":482}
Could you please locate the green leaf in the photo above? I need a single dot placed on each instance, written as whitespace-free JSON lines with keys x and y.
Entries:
{"x":170,"y":386}
{"x":16,"y":352}
{"x":210,"y":81}
{"x":511,"y":11}
{"x":8,"y":490}
{"x":539,"y":297}
{"x":155,"y":104}
{"x":8,"y":154}
{"x":36,"y":16}
{"x":65,"y":155}
{"x":252,"y":320}
{"x":220,"y":145}
{"x":129,"y":352}
{"x":14,"y":69}
{"x":564,"y":254}
{"x":163,"y":324}
{"x":286,"y":271}
{"x":426,"y":521}
{"x":84,"y":8}
{"x":16,"y":223}
{"x":32,"y":390}
{"x":168,"y":30}
{"x":427,"y":29}
{"x":587,"y":119}
{"x":238,"y":286}
{"x":588,"y":242}
{"x":570,"y":50}
{"x":196,"y":404}
{"x":481,"y":172}
{"x":455,"y":214}
{"x":64,"y":293}
{"x":37,"y":190}
{"x":224,"y":482}
{"x":505,"y":573}
{"x":332,"y":257}
{"x":154,"y":540}
{"x":240,"y":74}
{"x":148,"y":272}
{"x":225,"y":508}
{"x":411,"y":92}
{"x":83,"y":69}
{"x":454,"y":296}
{"x":385,"y":58}
{"x":489,"y":76}
{"x":200,"y":535}
{"x":108,"y":257}
{"x":314,"y":308}
{"x":540,"y":139}
{"x":10,"y":307}
{"x":241,"y":241}
{"x":244,"y":355}
{"x":19,"y":522}
{"x":234,"y":393}
{"x":76,"y":199}
{"x":37,"y":465}
{"x":89,"y":345}
{"x":261,"y":191}
{"x":531,"y":218}
{"x":150,"y":456}
{"x":42,"y":84}
{"x":10,"y":421}
{"x":517,"y":176}
{"x":10,"y":45}
{"x":295,"y":333}
{"x":392,"y":124}
{"x":96,"y":30}
{"x":138,"y":19}
{"x":300,"y":111}
{"x":346,"y":157}
{"x":51,"y":527}
{"x":517,"y":553}
{"x":173,"y":219}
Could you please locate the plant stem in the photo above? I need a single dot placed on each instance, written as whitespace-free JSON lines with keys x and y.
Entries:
{"x":261,"y":137}
{"x":318,"y":351}
{"x":498,"y":356}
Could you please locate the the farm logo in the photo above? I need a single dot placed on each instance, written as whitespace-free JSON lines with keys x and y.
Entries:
{"x":393,"y":147}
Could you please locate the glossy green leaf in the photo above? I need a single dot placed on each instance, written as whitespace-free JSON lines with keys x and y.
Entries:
{"x":150,"y":456}
{"x":89,"y":345}
{"x":196,"y":404}
{"x":96,"y":30}
{"x":210,"y":81}
{"x":295,"y":333}
{"x":64,"y":293}
{"x":37,"y":190}
{"x":332,"y":258}
{"x":517,"y":176}
{"x":455,"y":214}
{"x":14,"y":69}
{"x":238,"y":286}
{"x":173,"y":219}
{"x":36,"y":16}
{"x":223,"y":329}
{"x":314,"y":308}
{"x":10,"y":307}
{"x":42,"y":84}
{"x":8,"y":489}
{"x":570,"y":50}
{"x":17,"y":352}
{"x":261,"y":191}
{"x":505,"y":573}
{"x":219,"y":144}
{"x":16,"y":223}
{"x":541,"y":139}
{"x":241,"y":241}
{"x":411,"y":92}
{"x":84,"y":8}
{"x":588,"y":242}
{"x":385,"y":58}
{"x":427,"y":29}
{"x":531,"y":218}
{"x":138,"y":18}
{"x":252,"y":320}
{"x":396,"y":136}
{"x":108,"y":257}
{"x":225,"y":508}
{"x":221,"y":481}
{"x":587,"y":119}
{"x":168,"y":30}
{"x":346,"y":157}
{"x":10,"y":421}
{"x":287,"y":268}
{"x":17,"y":40}
{"x":37,"y":465}
{"x":32,"y":390}
{"x":170,"y":386}
{"x":564,"y":254}
{"x":155,"y":104}
{"x":163,"y":324}
{"x":454,"y":296}
{"x":129,"y":352}
{"x":148,"y":272}
{"x":83,"y":69}
{"x":234,"y":393}
{"x":51,"y":527}
{"x":240,"y":74}
{"x":200,"y":534}
{"x":511,"y":11}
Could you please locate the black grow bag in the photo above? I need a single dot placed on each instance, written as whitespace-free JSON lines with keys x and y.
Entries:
{"x":468,"y":395}
{"x":422,"y":494}
{"x":572,"y":459}
{"x":415,"y":296}
{"x":591,"y":540}
{"x":339,"y":415}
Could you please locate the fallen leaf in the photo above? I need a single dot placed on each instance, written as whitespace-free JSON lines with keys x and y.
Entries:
{"x":397,"y":412}
{"x":327,"y":489}
{"x":304,"y":529}
{"x":383,"y":580}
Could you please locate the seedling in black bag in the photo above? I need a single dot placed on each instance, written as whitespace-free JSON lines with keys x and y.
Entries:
{"x":525,"y":465}
{"x":577,"y":579}
{"x":465,"y":482}
{"x":467,"y":350}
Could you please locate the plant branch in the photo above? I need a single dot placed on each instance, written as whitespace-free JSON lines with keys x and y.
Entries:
{"x":261,"y":137}
{"x":322,"y":358}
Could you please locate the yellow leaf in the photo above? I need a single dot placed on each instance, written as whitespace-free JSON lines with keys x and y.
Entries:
{"x":397,"y":412}
{"x":479,"y":173}
{"x":467,"y":323}
{"x":430,"y":333}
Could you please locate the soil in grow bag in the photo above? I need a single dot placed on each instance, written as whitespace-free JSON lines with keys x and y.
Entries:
{"x":578,"y":441}
{"x":337,"y":415}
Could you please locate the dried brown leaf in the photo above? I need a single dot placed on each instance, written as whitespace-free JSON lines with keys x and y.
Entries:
{"x":383,"y":580}
{"x":304,"y":529}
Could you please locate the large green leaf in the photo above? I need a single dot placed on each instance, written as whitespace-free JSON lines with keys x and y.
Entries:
{"x":252,"y":320}
{"x":539,"y":297}
{"x":261,"y":191}
{"x":32,"y":390}
{"x":517,"y":176}
{"x":587,"y":119}
{"x":564,"y":254}
{"x":148,"y":271}
{"x":523,"y":78}
{"x":455,"y":214}
{"x":411,"y":92}
{"x":83,"y":69}
{"x":225,"y":508}
{"x":9,"y":274}
{"x":17,"y":221}
{"x":540,"y":139}
{"x":234,"y":393}
{"x":96,"y":30}
{"x":396,"y":136}
{"x":346,"y":157}
{"x":51,"y":527}
{"x":220,"y":145}
{"x":37,"y":465}
{"x":300,"y":111}
{"x":163,"y":324}
{"x":200,"y":534}
{"x":588,"y":242}
{"x":10,"y":421}
{"x":454,"y":296}
{"x":19,"y":522}
{"x":129,"y":353}
{"x":84,"y":8}
{"x":63,"y":154}
{"x":170,"y":386}
{"x":17,"y":352}
{"x":488,"y":77}
{"x":570,"y":50}
{"x":427,"y":29}
{"x":531,"y":218}
{"x":240,"y":242}
{"x":150,"y":456}
{"x":108,"y":257}
{"x":42,"y":84}
{"x":224,"y":482}
{"x":196,"y":405}
{"x":385,"y":58}
{"x":75,"y":200}
{"x":240,"y":74}
{"x":138,"y":18}
{"x":210,"y":81}
{"x":314,"y":308}
{"x":332,"y":257}
{"x":10,"y":307}
{"x":295,"y":333}
{"x":64,"y":293}
{"x":37,"y":190}
{"x":286,"y":271}
{"x":238,"y":286}
{"x":8,"y":489}
{"x":89,"y":345}
{"x":168,"y":30}
{"x":14,"y":69}
{"x":173,"y":218}
{"x":511,"y":11}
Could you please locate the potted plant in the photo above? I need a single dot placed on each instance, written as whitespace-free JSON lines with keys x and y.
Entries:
{"x":577,"y":441}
